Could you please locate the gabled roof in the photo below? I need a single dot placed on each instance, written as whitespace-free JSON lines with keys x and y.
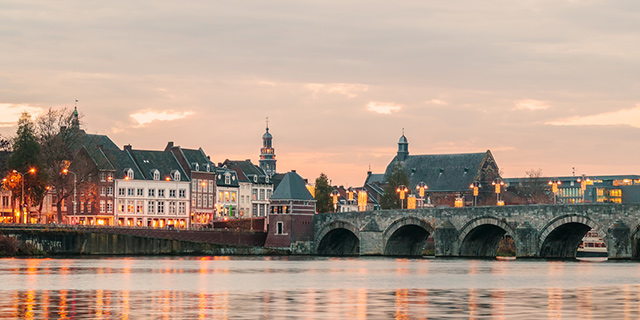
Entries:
{"x":443,"y":172}
{"x":292,"y":187}
{"x":221,"y":172}
{"x":196,"y":156}
{"x":163,"y":161}
{"x":92,"y":144}
{"x":121,"y":160}
{"x":247,"y":171}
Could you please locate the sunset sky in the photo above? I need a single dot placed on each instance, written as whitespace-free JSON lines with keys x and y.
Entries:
{"x":550,"y":84}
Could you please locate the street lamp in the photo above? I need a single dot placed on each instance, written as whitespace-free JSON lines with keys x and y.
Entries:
{"x":554,"y":188}
{"x":498,"y":183}
{"x":334,"y":195}
{"x":402,"y":190}
{"x":75,"y":182}
{"x":475,"y":186}
{"x":32,"y":171}
{"x":362,"y":200}
{"x":583,"y":186}
{"x":421,"y":187}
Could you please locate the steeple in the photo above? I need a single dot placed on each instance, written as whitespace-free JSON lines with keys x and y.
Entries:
{"x":403,"y":148}
{"x":267,"y":153}
{"x":75,"y":122}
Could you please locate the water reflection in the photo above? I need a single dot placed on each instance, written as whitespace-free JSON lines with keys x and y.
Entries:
{"x":308,"y":288}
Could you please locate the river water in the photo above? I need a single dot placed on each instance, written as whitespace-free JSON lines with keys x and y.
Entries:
{"x":316,"y":288}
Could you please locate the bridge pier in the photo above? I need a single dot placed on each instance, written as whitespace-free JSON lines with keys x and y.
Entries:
{"x":619,"y":240}
{"x":526,"y":241}
{"x":446,"y":240}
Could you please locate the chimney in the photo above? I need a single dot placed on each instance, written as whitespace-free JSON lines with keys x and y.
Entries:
{"x":169,"y":146}
{"x":294,"y":171}
{"x":368,"y":173}
{"x":127,"y":147}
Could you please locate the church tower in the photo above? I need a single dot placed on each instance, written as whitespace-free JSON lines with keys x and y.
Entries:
{"x":403,"y":148}
{"x":267,"y":153}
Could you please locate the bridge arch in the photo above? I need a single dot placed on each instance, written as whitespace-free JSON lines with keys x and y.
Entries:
{"x":560,"y":238}
{"x":480,"y":237}
{"x":338,"y":238}
{"x":406,"y":237}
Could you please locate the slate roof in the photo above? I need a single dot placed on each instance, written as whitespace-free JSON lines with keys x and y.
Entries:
{"x":121,"y":160}
{"x":443,"y":172}
{"x":292,"y":187}
{"x":220,"y":174}
{"x":247,"y":171}
{"x":163,"y":161}
{"x":197,"y":156}
{"x":91,"y":144}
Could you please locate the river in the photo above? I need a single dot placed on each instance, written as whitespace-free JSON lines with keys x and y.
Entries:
{"x":225,"y":287}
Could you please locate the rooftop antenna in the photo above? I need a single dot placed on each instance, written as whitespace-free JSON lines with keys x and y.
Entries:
{"x":573,"y":171}
{"x":267,"y":123}
{"x":403,"y":131}
{"x":76,"y":105}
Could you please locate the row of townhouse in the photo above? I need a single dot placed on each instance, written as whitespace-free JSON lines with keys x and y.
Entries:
{"x":175,"y":187}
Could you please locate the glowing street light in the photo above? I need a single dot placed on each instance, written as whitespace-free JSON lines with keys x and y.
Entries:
{"x":584,"y":181}
{"x":475,"y":186}
{"x":498,"y":183}
{"x":421,"y":187}
{"x":334,"y":195}
{"x":32,"y":171}
{"x":554,"y":188}
{"x":362,"y":200}
{"x":402,"y":191}
{"x":75,"y":194}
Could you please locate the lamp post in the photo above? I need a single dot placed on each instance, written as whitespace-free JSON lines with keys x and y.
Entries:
{"x":498,"y":183}
{"x":583,"y":186}
{"x":75,"y":194}
{"x":402,"y":191}
{"x":421,"y":187}
{"x":554,"y":188}
{"x":475,"y":186}
{"x":32,"y":171}
{"x":362,"y":200}
{"x":334,"y":195}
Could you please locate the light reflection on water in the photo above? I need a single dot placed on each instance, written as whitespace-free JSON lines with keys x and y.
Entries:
{"x":316,"y":288}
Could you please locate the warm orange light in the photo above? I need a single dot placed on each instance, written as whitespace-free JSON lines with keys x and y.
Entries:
{"x":168,"y":179}
{"x":65,"y":171}
{"x":126,"y":178}
{"x":32,"y":170}
{"x":204,"y":184}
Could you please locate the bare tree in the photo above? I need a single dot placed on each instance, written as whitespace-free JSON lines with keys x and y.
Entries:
{"x":61,"y":140}
{"x":532,"y":190}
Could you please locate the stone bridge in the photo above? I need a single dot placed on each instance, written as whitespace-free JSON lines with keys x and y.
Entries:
{"x":538,"y":231}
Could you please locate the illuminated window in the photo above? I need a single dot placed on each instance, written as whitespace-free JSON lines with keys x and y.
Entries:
{"x":156,"y":175}
{"x":233,"y":197}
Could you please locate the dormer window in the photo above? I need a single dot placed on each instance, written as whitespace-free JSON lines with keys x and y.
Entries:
{"x":227,"y":178}
{"x":196,"y":166}
{"x":255,"y":179}
{"x":176,"y":175}
{"x":266,"y":179}
{"x":156,"y":175}
{"x":128,"y":174}
{"x":208,"y":166}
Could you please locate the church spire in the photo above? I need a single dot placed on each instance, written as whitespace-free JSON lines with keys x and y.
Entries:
{"x":267,"y":153}
{"x":403,"y":148}
{"x":75,"y":122}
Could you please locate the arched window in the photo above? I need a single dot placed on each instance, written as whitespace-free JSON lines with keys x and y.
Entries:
{"x":156,"y":175}
{"x":196,"y":166}
{"x":129,"y":174}
{"x":176,"y":176}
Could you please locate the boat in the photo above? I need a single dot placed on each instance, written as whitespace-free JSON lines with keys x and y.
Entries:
{"x":592,"y":246}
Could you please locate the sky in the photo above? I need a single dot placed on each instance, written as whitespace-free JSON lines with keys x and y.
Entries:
{"x":548,"y":84}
